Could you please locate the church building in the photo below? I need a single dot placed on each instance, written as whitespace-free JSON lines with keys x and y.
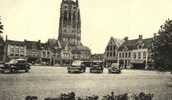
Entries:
{"x":70,"y":30}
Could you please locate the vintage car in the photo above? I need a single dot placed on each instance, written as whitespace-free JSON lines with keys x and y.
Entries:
{"x":77,"y":66}
{"x":16,"y":64}
{"x":1,"y":64}
{"x":96,"y":67}
{"x":114,"y":68}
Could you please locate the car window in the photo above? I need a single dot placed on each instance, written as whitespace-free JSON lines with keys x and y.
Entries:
{"x":114,"y":65}
{"x":21,"y":61}
{"x":76,"y":63}
{"x":12,"y":61}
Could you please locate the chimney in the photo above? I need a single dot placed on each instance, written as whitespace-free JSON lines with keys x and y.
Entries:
{"x":140,"y":36}
{"x":126,"y":38}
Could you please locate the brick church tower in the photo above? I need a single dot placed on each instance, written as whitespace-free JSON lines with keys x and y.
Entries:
{"x":70,"y":30}
{"x":70,"y":23}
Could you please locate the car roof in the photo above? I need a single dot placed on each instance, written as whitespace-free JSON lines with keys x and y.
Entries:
{"x":20,"y":59}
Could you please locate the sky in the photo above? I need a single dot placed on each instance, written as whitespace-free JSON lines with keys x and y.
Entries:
{"x":101,"y":19}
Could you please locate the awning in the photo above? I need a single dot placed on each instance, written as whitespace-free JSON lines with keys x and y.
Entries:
{"x":137,"y":61}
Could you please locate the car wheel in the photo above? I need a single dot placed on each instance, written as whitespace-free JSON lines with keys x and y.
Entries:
{"x":109,"y":72}
{"x":2,"y":71}
{"x":82,"y":70}
{"x":11,"y":70}
{"x":26,"y":70}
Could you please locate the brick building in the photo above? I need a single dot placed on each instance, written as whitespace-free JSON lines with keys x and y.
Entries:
{"x":135,"y":53}
{"x":111,"y":51}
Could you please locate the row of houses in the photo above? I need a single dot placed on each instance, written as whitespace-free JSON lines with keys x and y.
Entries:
{"x":36,"y":52}
{"x":135,"y":53}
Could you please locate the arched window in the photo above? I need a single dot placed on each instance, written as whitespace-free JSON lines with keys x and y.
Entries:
{"x":65,"y":18}
{"x":74,"y":19}
{"x":70,"y":17}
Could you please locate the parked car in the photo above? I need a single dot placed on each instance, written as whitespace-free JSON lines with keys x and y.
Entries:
{"x":77,"y":66}
{"x":114,"y":68}
{"x":96,"y":67}
{"x":1,"y":64}
{"x":16,"y":64}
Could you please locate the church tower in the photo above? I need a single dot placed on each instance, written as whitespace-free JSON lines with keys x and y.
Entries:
{"x":70,"y":23}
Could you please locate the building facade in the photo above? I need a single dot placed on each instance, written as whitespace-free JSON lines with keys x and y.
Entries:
{"x":15,"y":50}
{"x":34,"y":51}
{"x":64,"y":50}
{"x":70,"y":31}
{"x":111,"y":51}
{"x":135,"y":53}
{"x":70,"y":23}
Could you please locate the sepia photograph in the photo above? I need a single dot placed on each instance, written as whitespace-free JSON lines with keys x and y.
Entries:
{"x":85,"y":50}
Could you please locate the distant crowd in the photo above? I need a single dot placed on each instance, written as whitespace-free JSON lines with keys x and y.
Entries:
{"x":112,"y":96}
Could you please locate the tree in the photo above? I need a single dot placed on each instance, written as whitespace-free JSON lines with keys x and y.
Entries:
{"x":163,"y":46}
{"x":1,"y":26}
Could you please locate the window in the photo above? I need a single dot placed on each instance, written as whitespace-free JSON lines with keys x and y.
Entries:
{"x":111,"y":48}
{"x":12,"y":50}
{"x":129,"y":54}
{"x":126,"y":54}
{"x":119,"y":55}
{"x":107,"y":48}
{"x":43,"y":54}
{"x":114,"y":47}
{"x":134,"y":55}
{"x":122,"y":55}
{"x":111,"y":54}
{"x":139,"y":55}
{"x":22,"y":52}
{"x":114,"y":53}
{"x":48,"y":54}
{"x":144,"y":55}
{"x":65,"y":19}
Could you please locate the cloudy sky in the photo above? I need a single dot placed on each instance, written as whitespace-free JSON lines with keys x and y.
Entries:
{"x":101,"y":19}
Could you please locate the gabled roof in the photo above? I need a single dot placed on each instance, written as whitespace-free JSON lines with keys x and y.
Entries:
{"x":114,"y":41}
{"x":53,"y":43}
{"x":32,"y":44}
{"x":132,"y":44}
